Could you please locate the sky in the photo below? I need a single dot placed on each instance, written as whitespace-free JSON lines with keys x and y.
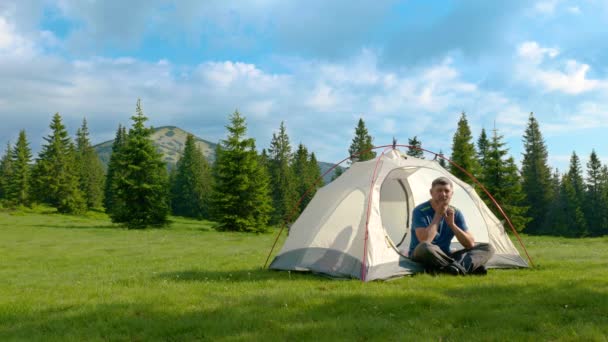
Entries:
{"x":408,"y":68}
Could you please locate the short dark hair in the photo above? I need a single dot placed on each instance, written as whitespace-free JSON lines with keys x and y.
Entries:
{"x":442,"y":181}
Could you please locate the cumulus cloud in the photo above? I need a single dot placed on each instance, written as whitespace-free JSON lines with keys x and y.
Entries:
{"x":569,"y":76}
{"x":315,"y":98}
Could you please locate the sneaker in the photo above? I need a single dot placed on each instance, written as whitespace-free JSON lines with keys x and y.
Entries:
{"x":452,"y":269}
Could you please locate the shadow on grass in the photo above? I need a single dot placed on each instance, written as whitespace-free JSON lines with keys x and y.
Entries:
{"x":247,"y":275}
{"x":471,"y":311}
{"x":80,"y":226}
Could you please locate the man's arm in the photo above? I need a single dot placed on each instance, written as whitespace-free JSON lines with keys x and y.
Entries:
{"x":427,"y":234}
{"x":465,"y":238}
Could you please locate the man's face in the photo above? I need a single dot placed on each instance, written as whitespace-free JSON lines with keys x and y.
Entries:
{"x":441,"y":193}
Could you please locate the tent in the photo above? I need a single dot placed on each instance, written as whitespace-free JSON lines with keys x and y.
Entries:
{"x":358,"y":226}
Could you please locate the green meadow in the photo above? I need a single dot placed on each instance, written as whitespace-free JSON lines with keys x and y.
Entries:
{"x":81,"y":278}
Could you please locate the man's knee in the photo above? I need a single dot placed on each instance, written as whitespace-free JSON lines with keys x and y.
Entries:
{"x":486,"y":247}
{"x":423,"y":250}
{"x":423,"y":247}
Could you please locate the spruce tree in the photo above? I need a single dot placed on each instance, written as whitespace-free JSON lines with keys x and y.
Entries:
{"x":360,"y":147}
{"x":142,"y":188}
{"x":301,"y":173}
{"x":20,"y":178}
{"x":414,"y":150}
{"x":241,"y":191}
{"x":483,"y":144}
{"x":571,"y":219}
{"x":306,"y":170}
{"x":536,"y":176}
{"x":264,"y":159}
{"x":501,"y":179}
{"x":281,"y":175}
{"x":463,"y":151}
{"x":575,"y":192}
{"x":555,"y":219}
{"x":595,"y":207}
{"x":110,"y":201}
{"x":91,"y":173}
{"x":6,"y":168}
{"x":55,"y":175}
{"x":604,"y":196}
{"x":191,"y":183}
{"x":315,"y":171}
{"x":338,"y":171}
{"x":442,"y":161}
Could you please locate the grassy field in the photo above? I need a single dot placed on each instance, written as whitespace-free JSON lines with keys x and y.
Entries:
{"x":66,"y":278}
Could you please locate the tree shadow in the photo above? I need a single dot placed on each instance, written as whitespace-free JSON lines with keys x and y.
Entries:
{"x":244,"y":275}
{"x":462,"y":312}
{"x":80,"y":226}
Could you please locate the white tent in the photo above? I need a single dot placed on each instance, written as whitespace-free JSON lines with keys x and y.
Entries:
{"x":358,"y":225}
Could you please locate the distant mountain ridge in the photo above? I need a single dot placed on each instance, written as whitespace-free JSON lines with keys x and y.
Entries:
{"x":170,"y":141}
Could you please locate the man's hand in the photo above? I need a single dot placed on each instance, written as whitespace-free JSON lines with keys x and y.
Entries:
{"x":449,"y":216}
{"x":440,"y":209}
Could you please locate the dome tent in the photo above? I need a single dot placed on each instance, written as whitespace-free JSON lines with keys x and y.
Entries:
{"x":358,"y":225}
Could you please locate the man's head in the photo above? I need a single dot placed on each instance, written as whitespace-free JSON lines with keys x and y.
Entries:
{"x":442,"y":190}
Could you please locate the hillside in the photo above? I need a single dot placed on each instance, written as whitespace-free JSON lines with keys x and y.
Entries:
{"x":170,"y":141}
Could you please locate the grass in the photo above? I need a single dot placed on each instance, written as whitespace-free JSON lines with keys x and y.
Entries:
{"x":66,"y":278}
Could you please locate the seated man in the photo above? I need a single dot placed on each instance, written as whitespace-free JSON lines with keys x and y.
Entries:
{"x":434,"y":224}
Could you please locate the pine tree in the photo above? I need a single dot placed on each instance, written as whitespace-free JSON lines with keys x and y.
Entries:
{"x":300,"y":170}
{"x":241,"y":191}
{"x":576,"y":196}
{"x":142,"y":188}
{"x":315,"y":171}
{"x":555,"y":220}
{"x":6,"y":168}
{"x":536,"y":176}
{"x":415,"y":151}
{"x":442,"y":161}
{"x":360,"y":148}
{"x":463,"y":151}
{"x":503,"y":182}
{"x":55,"y":175}
{"x":281,"y":174}
{"x":483,"y":144}
{"x":264,"y":159}
{"x":338,"y":171}
{"x":110,"y":201}
{"x":191,"y":183}
{"x":20,"y":177}
{"x":595,"y":207}
{"x":604,"y":198}
{"x":91,"y":173}
{"x":571,"y":218}
{"x":306,"y":171}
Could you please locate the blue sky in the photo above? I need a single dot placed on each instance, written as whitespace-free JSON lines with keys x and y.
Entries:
{"x":408,"y":68}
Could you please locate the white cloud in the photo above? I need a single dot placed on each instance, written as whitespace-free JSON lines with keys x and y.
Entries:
{"x":11,"y":43}
{"x":573,"y":80}
{"x":546,"y":6}
{"x":533,"y":53}
{"x":574,"y":10}
{"x":323,"y":98}
{"x":568,"y":76}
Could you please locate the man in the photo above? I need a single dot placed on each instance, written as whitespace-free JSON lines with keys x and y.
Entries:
{"x":434,"y":224}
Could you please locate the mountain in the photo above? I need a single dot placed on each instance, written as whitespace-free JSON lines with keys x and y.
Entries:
{"x":170,"y":141}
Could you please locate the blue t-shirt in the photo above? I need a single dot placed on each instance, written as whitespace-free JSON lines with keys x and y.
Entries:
{"x":422,"y":217}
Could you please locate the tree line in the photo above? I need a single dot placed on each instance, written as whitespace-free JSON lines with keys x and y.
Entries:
{"x":243,"y":190}
{"x":537,"y":200}
{"x":247,"y":190}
